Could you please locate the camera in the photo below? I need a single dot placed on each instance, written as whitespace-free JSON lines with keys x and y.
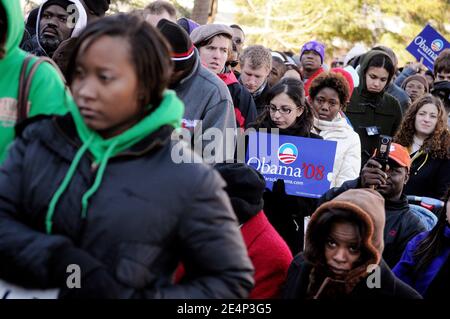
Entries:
{"x":382,"y":152}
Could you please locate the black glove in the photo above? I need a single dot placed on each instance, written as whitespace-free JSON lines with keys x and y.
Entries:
{"x":279,"y":187}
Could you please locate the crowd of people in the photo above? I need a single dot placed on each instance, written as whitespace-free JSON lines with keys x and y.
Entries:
{"x":88,"y":177}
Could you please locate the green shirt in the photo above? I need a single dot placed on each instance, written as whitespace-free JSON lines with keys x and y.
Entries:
{"x":48,"y":94}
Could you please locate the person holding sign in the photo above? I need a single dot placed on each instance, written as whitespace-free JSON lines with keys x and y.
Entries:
{"x":289,"y":112}
{"x":329,"y":94}
{"x":343,"y":253}
{"x":98,"y":189}
{"x":371,"y":111}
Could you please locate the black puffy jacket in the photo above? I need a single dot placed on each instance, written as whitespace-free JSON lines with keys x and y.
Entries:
{"x":148,"y":215}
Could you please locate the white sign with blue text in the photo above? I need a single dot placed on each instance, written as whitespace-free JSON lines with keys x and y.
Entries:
{"x":305,"y":164}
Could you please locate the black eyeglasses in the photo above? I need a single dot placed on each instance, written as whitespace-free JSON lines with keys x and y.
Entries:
{"x":284,"y":110}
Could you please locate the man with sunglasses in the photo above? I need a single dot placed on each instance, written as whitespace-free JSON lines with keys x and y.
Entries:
{"x":238,"y":43}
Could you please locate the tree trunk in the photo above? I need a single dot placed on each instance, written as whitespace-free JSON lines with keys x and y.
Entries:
{"x":204,"y":11}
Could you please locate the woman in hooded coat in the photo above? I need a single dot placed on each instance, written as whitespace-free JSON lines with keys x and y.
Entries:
{"x":371,"y":110}
{"x":342,"y":257}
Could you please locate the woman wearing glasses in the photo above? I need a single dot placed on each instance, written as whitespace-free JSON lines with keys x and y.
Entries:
{"x":288,"y":111}
{"x":329,"y":94}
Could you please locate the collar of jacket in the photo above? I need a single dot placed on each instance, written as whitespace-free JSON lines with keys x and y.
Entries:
{"x":357,"y":286}
{"x":338,"y":126}
{"x":259,"y":91}
{"x":314,"y":75}
{"x":168,"y":112}
{"x":397,"y":205}
{"x":228,"y":77}
{"x":66,"y":127}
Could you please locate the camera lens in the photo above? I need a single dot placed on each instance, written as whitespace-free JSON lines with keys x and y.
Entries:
{"x":384,"y":140}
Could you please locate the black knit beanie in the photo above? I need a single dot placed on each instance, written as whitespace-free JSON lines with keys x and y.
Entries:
{"x":99,"y":7}
{"x":182,"y":53}
{"x":245,"y":187}
{"x":62,"y":3}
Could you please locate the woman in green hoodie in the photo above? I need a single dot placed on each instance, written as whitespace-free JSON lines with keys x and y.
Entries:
{"x":371,"y":110}
{"x":98,"y":188}
{"x":47,"y":89}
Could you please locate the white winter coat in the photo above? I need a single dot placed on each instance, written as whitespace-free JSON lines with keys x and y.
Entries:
{"x":347,"y":163}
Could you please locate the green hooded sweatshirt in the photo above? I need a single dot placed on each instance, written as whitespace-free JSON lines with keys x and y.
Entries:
{"x":169,"y":112}
{"x":47,"y":94}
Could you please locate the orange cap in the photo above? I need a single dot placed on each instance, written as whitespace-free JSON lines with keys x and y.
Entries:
{"x":400,"y":155}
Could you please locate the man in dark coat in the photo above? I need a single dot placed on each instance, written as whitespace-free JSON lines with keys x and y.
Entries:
{"x":401,"y":224}
{"x":256,"y":64}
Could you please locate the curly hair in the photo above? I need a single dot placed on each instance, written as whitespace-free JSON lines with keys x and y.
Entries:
{"x":438,"y":143}
{"x":333,"y":81}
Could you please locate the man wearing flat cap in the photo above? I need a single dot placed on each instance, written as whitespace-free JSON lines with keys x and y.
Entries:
{"x":214,"y":43}
{"x":208,"y":104}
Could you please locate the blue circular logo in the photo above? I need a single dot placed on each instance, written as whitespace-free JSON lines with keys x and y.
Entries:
{"x":287,"y":153}
{"x":437,"y":45}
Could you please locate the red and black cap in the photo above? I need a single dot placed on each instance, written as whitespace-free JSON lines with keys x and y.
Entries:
{"x":183,"y":52}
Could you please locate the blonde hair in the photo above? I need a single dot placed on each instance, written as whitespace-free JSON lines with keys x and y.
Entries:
{"x":256,"y":56}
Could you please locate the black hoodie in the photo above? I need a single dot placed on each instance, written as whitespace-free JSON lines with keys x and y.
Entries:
{"x":368,"y":109}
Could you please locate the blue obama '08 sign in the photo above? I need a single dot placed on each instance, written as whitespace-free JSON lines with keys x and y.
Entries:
{"x":305,"y":164}
{"x":427,"y":45}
